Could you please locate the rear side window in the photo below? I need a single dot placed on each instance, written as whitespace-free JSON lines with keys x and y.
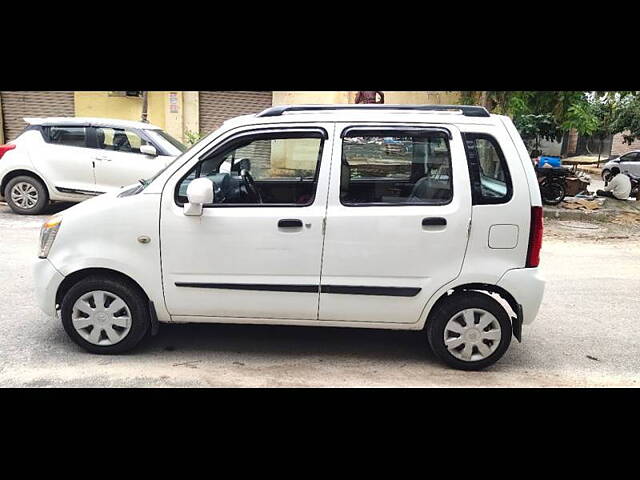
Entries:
{"x":395,"y":167}
{"x":490,"y":179}
{"x":69,"y":136}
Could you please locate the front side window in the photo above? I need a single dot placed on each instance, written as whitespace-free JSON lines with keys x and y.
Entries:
{"x":265,"y":169}
{"x":395,"y":168}
{"x":69,"y":136}
{"x":630,"y":157}
{"x":119,"y":140}
{"x":488,"y":169}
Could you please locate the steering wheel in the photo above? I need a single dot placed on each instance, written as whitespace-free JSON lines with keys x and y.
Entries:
{"x":250,"y":185}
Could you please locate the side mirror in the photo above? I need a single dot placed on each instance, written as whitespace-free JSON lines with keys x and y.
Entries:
{"x":148,"y":150}
{"x":199,"y":193}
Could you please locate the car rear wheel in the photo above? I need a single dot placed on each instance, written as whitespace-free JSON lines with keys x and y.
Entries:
{"x":469,"y":331}
{"x":605,"y":173}
{"x":105,"y":315}
{"x":26,"y":195}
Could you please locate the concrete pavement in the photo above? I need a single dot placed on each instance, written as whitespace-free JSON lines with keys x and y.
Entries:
{"x":587,"y":334}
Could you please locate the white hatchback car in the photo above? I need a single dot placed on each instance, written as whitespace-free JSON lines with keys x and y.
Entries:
{"x":300,"y":215}
{"x":72,"y":159}
{"x":628,"y":163}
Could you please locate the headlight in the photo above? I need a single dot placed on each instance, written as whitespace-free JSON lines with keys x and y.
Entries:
{"x":48,"y":234}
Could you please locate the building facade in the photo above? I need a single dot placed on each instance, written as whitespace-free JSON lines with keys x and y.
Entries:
{"x":183,"y":114}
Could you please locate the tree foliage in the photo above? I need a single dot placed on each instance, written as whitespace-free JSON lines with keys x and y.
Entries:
{"x":548,"y":114}
{"x":533,"y":128}
{"x":517,"y":103}
{"x":628,"y":118}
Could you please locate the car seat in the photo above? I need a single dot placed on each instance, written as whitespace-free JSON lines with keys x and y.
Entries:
{"x":121,"y":142}
{"x":100,"y":138}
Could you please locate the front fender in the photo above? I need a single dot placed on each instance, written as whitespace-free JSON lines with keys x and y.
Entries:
{"x":103,"y":233}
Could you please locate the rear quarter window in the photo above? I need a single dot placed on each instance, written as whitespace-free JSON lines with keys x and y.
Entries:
{"x":488,"y":169}
{"x":69,"y":136}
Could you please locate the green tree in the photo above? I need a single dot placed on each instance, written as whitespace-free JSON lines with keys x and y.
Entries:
{"x":534,"y":128}
{"x":603,"y":110}
{"x":628,"y":118}
{"x":545,"y":114}
{"x":517,"y":103}
{"x":604,"y":114}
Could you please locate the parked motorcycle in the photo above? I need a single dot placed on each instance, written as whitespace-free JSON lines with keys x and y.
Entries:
{"x":635,"y":186}
{"x":553,"y":187}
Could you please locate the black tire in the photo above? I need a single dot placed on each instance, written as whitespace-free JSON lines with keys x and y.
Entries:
{"x":134,"y":298}
{"x":552,"y":192}
{"x":605,"y":173}
{"x":43,"y":195}
{"x":455,"y":304}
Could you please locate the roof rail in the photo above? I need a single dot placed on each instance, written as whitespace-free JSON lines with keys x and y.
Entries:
{"x":468,"y":111}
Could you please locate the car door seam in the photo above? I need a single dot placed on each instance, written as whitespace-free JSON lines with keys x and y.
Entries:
{"x":324,"y":219}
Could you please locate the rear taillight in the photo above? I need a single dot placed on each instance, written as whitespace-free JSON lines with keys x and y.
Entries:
{"x":535,"y":238}
{"x":5,"y":148}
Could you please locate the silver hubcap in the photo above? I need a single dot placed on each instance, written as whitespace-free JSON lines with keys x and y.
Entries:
{"x":24,"y":195}
{"x":101,"y":318}
{"x":472,"y":334}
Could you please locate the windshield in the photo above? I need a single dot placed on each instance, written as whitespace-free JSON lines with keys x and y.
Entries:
{"x":173,"y":146}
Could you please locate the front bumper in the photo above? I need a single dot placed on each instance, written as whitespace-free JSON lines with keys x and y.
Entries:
{"x":47,"y":280}
{"x":527,"y":287}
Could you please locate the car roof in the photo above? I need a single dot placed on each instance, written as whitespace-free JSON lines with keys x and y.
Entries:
{"x":369,"y":113}
{"x":90,"y":122}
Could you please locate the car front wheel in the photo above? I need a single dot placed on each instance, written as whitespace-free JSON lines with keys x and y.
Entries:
{"x":105,"y":314}
{"x":469,"y":331}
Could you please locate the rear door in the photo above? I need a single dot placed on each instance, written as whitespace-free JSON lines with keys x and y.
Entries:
{"x":118,"y":159}
{"x":397,"y":221}
{"x":64,"y":159}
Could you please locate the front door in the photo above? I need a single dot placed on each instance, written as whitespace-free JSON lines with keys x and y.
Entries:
{"x":255,"y":253}
{"x":397,"y":222}
{"x":630,"y":163}
{"x":118,"y":160}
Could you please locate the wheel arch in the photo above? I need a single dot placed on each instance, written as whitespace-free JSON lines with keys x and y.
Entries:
{"x":21,"y":171}
{"x":73,"y":278}
{"x":487,"y":288}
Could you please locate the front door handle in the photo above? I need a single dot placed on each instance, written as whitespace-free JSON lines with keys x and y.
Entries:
{"x":290,"y":223}
{"x":434,"y":222}
{"x":103,"y":159}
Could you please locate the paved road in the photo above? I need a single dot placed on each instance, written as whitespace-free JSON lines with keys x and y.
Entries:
{"x":587,"y":334}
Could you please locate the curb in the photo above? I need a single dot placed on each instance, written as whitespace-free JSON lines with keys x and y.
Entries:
{"x":579,"y":215}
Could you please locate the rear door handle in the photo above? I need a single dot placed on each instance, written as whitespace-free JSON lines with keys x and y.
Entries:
{"x":290,"y":223}
{"x":103,"y":159}
{"x":434,"y":222}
